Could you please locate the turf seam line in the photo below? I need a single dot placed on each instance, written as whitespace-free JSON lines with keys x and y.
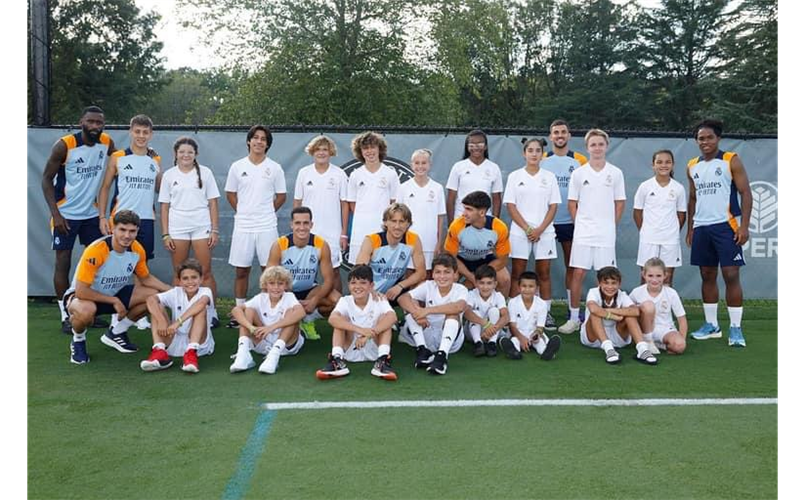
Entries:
{"x":239,"y":483}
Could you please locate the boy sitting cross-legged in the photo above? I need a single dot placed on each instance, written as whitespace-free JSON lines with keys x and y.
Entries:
{"x":527,"y":316}
{"x":486,"y":314}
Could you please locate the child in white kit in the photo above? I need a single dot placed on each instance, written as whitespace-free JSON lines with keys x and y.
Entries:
{"x":657,"y":301}
{"x":485,"y":315}
{"x":527,"y":316}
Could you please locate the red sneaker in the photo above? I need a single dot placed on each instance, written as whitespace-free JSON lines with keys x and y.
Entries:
{"x":190,"y":361}
{"x":157,"y":360}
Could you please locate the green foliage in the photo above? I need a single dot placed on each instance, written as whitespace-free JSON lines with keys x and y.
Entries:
{"x":190,"y":97}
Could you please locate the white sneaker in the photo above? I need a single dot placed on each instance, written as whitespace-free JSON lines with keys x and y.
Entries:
{"x":271,"y":362}
{"x":571,"y":326}
{"x":242,"y":363}
{"x":143,"y":323}
{"x":652,"y":347}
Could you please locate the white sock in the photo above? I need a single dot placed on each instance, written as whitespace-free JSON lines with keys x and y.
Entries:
{"x":79,"y":337}
{"x":540,"y":344}
{"x":338,"y":351}
{"x":493,"y":315}
{"x":516,"y":343}
{"x":574,"y":313}
{"x":159,"y":345}
{"x":607,"y":344}
{"x":711,"y":313}
{"x":649,"y":337}
{"x":475,"y":332}
{"x":122,"y":326}
{"x":310,"y":317}
{"x":113,"y":321}
{"x":62,"y":310}
{"x":641,"y":347}
{"x":448,"y":335}
{"x":193,"y":345}
{"x":245,"y":344}
{"x":240,"y":302}
{"x":415,"y":330}
{"x":279,"y":345}
{"x":736,"y":313}
{"x":383,"y":350}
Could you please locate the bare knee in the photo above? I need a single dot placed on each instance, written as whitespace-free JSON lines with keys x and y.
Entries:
{"x":242,"y":273}
{"x":676,"y":344}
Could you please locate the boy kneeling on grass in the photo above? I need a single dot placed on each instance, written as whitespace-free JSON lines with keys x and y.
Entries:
{"x":486,"y":314}
{"x":527,"y":316}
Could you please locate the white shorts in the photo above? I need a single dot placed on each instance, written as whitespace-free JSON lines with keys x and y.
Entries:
{"x":178,"y":346}
{"x":366,"y":353}
{"x":671,"y":255}
{"x":543,"y":249}
{"x":661,"y":331}
{"x":428,"y":261}
{"x":612,"y":334}
{"x":267,"y":343}
{"x":587,"y":257}
{"x":335,"y":251}
{"x":246,"y":246}
{"x":199,"y":233}
{"x":433,"y":337}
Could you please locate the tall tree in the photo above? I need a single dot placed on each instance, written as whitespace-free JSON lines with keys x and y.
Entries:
{"x":103,"y":53}
{"x":190,"y":97}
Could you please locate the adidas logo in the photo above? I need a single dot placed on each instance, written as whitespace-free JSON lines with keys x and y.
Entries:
{"x":586,"y":183}
{"x":411,"y":195}
{"x":550,"y":252}
{"x":175,"y":183}
{"x":178,"y":308}
{"x":80,"y":160}
{"x":288,"y":262}
{"x":309,"y":183}
{"x":381,"y":261}
{"x":738,"y":257}
{"x":696,"y":176}
{"x":652,"y":193}
{"x":128,"y":167}
{"x":244,"y":174}
{"x":677,"y":259}
{"x":521,"y":184}
{"x":361,"y":184}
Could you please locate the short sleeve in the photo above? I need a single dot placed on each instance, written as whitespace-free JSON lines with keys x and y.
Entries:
{"x":442,"y":206}
{"x":164,"y":190}
{"x":573,"y":186}
{"x":166,"y":298}
{"x":676,"y":303}
{"x":640,"y":197}
{"x":556,"y":196}
{"x":352,"y":187}
{"x":343,"y":181}
{"x":624,"y":300}
{"x":508,"y":193}
{"x":141,"y":269}
{"x":452,"y":179}
{"x":210,"y":186}
{"x":342,"y":307}
{"x":231,"y":180}
{"x":503,"y":246}
{"x":681,"y":200}
{"x":420,"y":293}
{"x":499,"y":301}
{"x":461,"y":293}
{"x":593,"y":296}
{"x":542,"y":314}
{"x":383,"y":306}
{"x":394,"y":188}
{"x":279,"y":181}
{"x":254,"y":302}
{"x":298,"y":187}
{"x":497,"y":183}
{"x":451,"y":241}
{"x":620,"y":187}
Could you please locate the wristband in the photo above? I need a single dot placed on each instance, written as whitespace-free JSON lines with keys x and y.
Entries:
{"x":344,"y":237}
{"x":528,"y":230}
{"x":488,"y":324}
{"x":252,"y":329}
{"x":609,"y":315}
{"x":214,"y":231}
{"x":166,"y":236}
{"x":180,"y":321}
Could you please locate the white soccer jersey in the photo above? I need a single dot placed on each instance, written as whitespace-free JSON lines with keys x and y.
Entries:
{"x":428,"y":292}
{"x":323,"y":194}
{"x":533,"y":195}
{"x":426,"y":204}
{"x":660,"y":206}
{"x":481,"y":306}
{"x":176,"y":300}
{"x":665,"y":302}
{"x":372,"y":193}
{"x":622,"y":300}
{"x":366,"y":317}
{"x":596,"y":193}
{"x":189,"y":204}
{"x":268,"y":315}
{"x":466,"y":177}
{"x":255,"y":186}
{"x":527,"y":319}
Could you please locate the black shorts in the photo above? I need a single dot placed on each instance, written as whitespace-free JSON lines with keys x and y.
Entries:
{"x":87,"y":231}
{"x":102,"y":307}
{"x":564,"y":232}
{"x":472,"y":265}
{"x":302,"y":294}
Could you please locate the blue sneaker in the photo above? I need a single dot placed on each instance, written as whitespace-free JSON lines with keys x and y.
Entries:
{"x":707,"y":331}
{"x":581,"y":315}
{"x":737,"y":337}
{"x":119,"y":341}
{"x":78,"y":352}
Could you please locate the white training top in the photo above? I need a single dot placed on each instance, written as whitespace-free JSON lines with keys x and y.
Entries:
{"x":372,"y":194}
{"x":189,"y":205}
{"x":596,"y":193}
{"x":660,"y":206}
{"x":527,"y":319}
{"x":621,"y":300}
{"x":366,"y":317}
{"x":664,"y":303}
{"x":426,"y":204}
{"x":268,"y":315}
{"x":323,"y":194}
{"x":255,"y":186}
{"x":466,"y":177}
{"x":176,"y":300}
{"x":428,"y":292}
{"x":533,"y":195}
{"x":481,"y":306}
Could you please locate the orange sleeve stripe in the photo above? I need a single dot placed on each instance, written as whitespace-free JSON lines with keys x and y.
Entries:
{"x":119,"y":153}
{"x":503,"y":247}
{"x":728,"y":156}
{"x":375,"y":239}
{"x":92,"y":259}
{"x":106,"y":138}
{"x":141,"y":269}
{"x":283,"y":242}
{"x":580,"y":158}
{"x":692,"y":162}
{"x":318,"y":242}
{"x":69,"y":140}
{"x":451,"y":242}
{"x":411,"y":238}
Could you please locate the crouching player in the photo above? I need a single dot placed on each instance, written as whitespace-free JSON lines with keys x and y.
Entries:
{"x":528,"y":313}
{"x":486,"y":314}
{"x":657,"y":301}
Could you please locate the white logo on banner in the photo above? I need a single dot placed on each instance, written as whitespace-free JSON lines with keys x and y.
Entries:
{"x":764,"y":207}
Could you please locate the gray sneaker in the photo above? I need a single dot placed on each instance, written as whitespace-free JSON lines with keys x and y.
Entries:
{"x":550,"y":323}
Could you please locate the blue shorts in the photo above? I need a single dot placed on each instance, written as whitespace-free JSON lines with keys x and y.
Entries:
{"x":102,"y":307}
{"x":472,"y":265}
{"x":564,"y":232}
{"x":145,"y":235}
{"x":87,"y":230}
{"x":715,"y":245}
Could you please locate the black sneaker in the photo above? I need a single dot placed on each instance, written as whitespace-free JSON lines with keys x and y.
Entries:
{"x":382,"y":369}
{"x":550,"y":323}
{"x":335,"y":367}
{"x":99,"y":322}
{"x":439,"y":364}
{"x":423,"y":357}
{"x":118,"y":341}
{"x":233,"y":323}
{"x":491,"y":349}
{"x":478,"y":349}
{"x":552,"y":348}
{"x":66,"y":327}
{"x":215,"y":323}
{"x":508,"y":348}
